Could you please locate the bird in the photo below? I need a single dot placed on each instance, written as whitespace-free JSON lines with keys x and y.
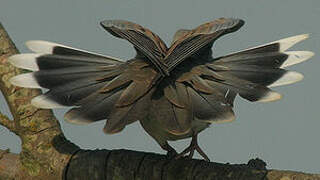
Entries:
{"x":175,"y":91}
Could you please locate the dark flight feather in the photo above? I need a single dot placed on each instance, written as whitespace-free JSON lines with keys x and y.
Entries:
{"x":95,"y":107}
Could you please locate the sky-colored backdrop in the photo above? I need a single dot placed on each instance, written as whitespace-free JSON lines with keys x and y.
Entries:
{"x":285,"y":133}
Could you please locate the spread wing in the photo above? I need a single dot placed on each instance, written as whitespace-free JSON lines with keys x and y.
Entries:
{"x":145,"y":42}
{"x":199,"y":40}
{"x":206,"y":92}
{"x":265,"y":64}
{"x":97,"y":87}
{"x":102,"y":87}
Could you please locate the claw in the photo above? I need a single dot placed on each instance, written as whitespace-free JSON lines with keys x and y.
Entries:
{"x":191,"y":148}
{"x":171,"y":152}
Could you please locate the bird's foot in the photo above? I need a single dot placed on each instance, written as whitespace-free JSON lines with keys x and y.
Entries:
{"x":171,"y":154}
{"x":191,"y":148}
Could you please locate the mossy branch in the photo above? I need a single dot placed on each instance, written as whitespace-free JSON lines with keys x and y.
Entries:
{"x":6,"y":122}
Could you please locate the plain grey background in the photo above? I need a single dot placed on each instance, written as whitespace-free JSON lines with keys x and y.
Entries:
{"x":285,"y":133}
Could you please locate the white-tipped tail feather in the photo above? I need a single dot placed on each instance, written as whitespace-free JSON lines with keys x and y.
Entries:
{"x":284,"y":44}
{"x":40,"y":46}
{"x":25,"y":61}
{"x":47,"y":47}
{"x":270,"y":97}
{"x":296,"y":57}
{"x":288,"y":78}
{"x":287,"y":43}
{"x":43,"y":102}
{"x":25,"y":80}
{"x":227,"y":117}
{"x":290,"y":41}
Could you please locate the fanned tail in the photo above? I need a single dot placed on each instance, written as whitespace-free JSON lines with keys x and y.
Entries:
{"x":69,"y":73}
{"x":264,"y":64}
{"x":98,"y":87}
{"x":212,"y":87}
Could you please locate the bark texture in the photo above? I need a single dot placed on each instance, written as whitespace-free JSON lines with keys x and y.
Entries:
{"x":47,"y":154}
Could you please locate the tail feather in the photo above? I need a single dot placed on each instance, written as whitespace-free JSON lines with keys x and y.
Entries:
{"x":46,"y":47}
{"x":25,"y":80}
{"x":25,"y":61}
{"x":95,"y":107}
{"x":263,"y":64}
{"x":68,"y":94}
{"x":52,"y":78}
{"x":36,"y":62}
{"x":248,"y":90}
{"x":73,"y":77}
{"x":289,"y":77}
{"x":211,"y":108}
{"x":276,"y":46}
{"x":267,"y":59}
{"x":296,"y":57}
{"x":265,"y":76}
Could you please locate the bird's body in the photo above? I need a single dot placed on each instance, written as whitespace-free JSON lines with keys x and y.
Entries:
{"x":175,"y":92}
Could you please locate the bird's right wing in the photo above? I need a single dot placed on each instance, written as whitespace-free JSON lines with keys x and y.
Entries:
{"x":145,"y":41}
{"x":264,"y":65}
{"x":212,"y":87}
{"x":98,"y":87}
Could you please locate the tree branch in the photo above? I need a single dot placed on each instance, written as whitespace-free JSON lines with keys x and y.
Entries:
{"x":130,"y":165}
{"x":8,"y":164}
{"x":37,"y":128}
{"x":46,"y":154}
{"x":6,"y":122}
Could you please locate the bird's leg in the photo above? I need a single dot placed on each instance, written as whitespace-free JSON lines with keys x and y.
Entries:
{"x":171,"y":152}
{"x":191,"y":148}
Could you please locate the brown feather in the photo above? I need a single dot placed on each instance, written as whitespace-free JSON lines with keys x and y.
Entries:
{"x":118,"y":81}
{"x":163,"y":112}
{"x":116,"y":121}
{"x":170,"y":92}
{"x":132,"y":93}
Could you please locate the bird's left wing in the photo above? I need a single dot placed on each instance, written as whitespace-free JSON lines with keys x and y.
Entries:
{"x":189,"y":42}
